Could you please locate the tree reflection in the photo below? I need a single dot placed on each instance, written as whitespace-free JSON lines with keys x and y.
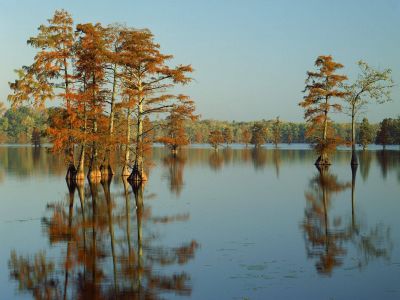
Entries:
{"x":259,"y":156}
{"x":365,"y":158}
{"x":104,"y":255}
{"x":35,"y":275}
{"x":276,"y":154}
{"x":326,"y":240}
{"x":382,"y":157}
{"x":370,"y":243}
{"x":323,"y":239}
{"x":227,"y":152}
{"x":215,"y":160}
{"x":176,"y":165}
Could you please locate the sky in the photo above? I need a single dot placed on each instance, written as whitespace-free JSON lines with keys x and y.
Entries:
{"x":250,"y":57}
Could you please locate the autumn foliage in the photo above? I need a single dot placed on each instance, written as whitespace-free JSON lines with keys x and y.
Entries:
{"x":322,"y":86}
{"x":110,"y":81}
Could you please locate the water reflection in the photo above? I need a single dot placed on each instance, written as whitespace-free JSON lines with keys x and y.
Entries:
{"x":328,"y":237}
{"x":259,"y":157}
{"x":175,"y":165}
{"x":365,"y":158}
{"x":109,"y":239}
{"x":26,"y":161}
{"x":323,"y":237}
{"x":100,"y":257}
{"x":216,"y":160}
{"x":276,"y":154}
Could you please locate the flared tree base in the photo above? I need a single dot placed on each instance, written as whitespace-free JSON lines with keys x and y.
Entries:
{"x":125,"y":171}
{"x":174,"y":152}
{"x":106,"y":171}
{"x":80,"y":175}
{"x":354,"y":160}
{"x":322,"y":161}
{"x":71,"y":172}
{"x":137,"y":176}
{"x":94,"y":174}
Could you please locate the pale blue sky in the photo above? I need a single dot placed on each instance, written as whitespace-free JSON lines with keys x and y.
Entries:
{"x":250,"y":57}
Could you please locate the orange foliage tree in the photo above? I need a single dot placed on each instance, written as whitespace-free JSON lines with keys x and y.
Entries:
{"x":104,"y":76}
{"x":215,"y":139}
{"x":176,"y":135}
{"x":246,"y":136}
{"x":321,"y":87}
{"x":90,"y":65}
{"x":51,"y":72}
{"x":146,"y":78}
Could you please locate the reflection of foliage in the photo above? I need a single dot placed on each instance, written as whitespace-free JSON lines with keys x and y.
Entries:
{"x":227,"y":153}
{"x":277,"y":160}
{"x":259,"y":157}
{"x":375,"y":244}
{"x":216,"y":160}
{"x":365,"y":158}
{"x":382,"y":158}
{"x":326,"y":241}
{"x":176,"y":165}
{"x":323,"y":241}
{"x":100,"y":261}
{"x":36,"y":276}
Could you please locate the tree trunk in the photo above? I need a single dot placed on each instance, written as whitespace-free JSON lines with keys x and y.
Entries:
{"x":125,"y":168}
{"x":137,"y":171}
{"x":94,"y":168}
{"x":106,"y":169}
{"x":174,"y":150}
{"x":354,"y":160}
{"x":80,"y":174}
{"x":71,"y":172}
{"x":323,"y":159}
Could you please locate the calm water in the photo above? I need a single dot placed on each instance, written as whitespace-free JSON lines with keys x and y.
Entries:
{"x":237,"y":224}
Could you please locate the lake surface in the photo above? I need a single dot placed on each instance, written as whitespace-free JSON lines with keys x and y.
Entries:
{"x":237,"y":224}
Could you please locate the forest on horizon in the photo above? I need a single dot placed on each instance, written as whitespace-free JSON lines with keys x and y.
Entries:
{"x":25,"y":124}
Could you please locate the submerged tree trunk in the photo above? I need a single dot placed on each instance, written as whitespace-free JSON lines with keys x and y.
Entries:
{"x":128,"y":220}
{"x":353,"y":200}
{"x":93,"y":253}
{"x":71,"y":171}
{"x":106,"y":188}
{"x":71,"y":189}
{"x":174,"y":150}
{"x":81,"y":193}
{"x":138,"y":192}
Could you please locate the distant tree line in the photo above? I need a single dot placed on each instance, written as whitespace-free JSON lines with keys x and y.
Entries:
{"x":27,"y":125}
